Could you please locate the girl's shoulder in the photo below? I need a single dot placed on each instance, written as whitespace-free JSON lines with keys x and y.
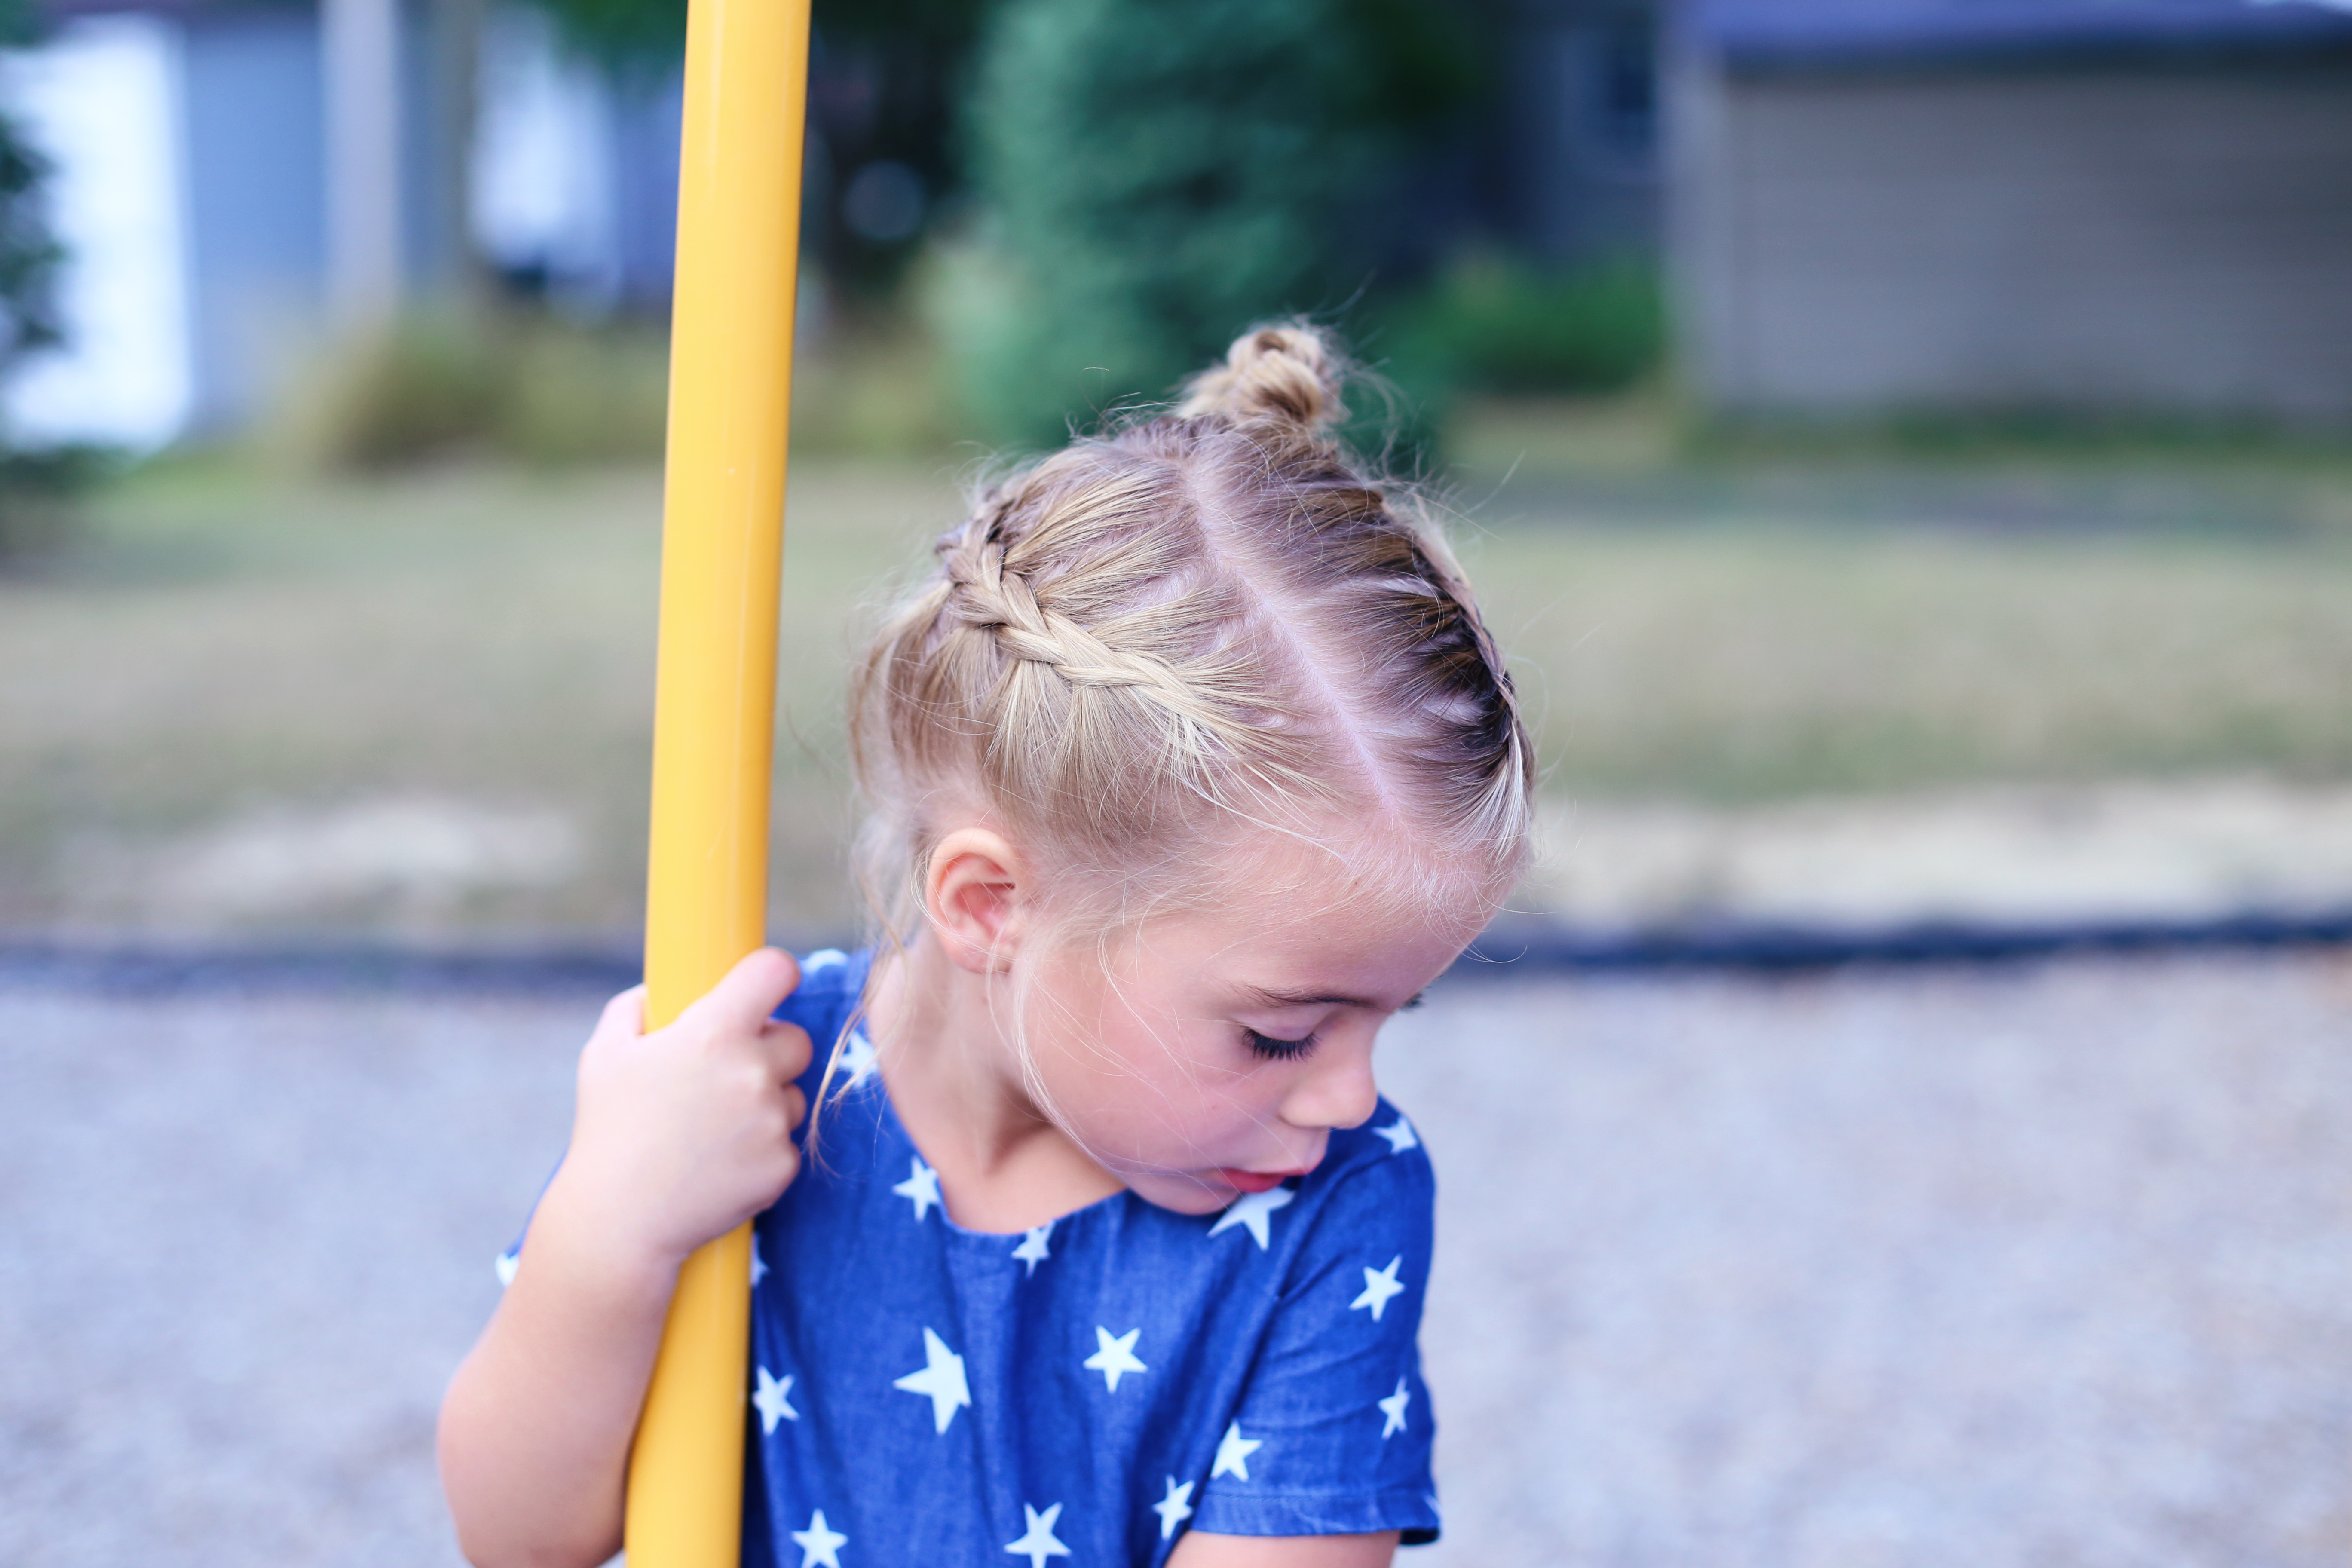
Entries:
{"x":1374,"y":1181}
{"x":1386,"y":1139}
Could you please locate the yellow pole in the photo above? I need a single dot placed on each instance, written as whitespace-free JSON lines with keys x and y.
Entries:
{"x":715,"y":697}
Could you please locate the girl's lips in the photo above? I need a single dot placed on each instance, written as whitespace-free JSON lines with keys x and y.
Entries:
{"x":1257,"y":1180}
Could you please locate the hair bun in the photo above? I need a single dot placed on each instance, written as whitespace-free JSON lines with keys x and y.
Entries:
{"x":1285,"y":374}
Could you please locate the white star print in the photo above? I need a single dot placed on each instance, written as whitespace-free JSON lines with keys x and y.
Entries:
{"x":759,"y":1264}
{"x":773,"y":1401}
{"x":1233,"y":1454}
{"x":507,"y":1264}
{"x":1174,"y":1509}
{"x":1032,"y":1249}
{"x":822,"y":958}
{"x":1394,"y":1408}
{"x":859,"y":1058}
{"x":1116,"y":1356}
{"x":1255,"y":1210}
{"x":941,"y":1380}
{"x":923,"y":1187}
{"x":818,"y":1544}
{"x":1398,"y":1134}
{"x":1380,"y":1284}
{"x":1039,"y":1543}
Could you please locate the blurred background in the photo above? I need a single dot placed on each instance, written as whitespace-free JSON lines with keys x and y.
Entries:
{"x":1904,"y":446}
{"x":1928,"y":403}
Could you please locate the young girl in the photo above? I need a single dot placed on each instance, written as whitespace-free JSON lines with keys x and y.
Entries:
{"x":1191,"y":764}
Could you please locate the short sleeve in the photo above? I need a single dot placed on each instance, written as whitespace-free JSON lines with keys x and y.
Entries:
{"x":1334,"y":1430}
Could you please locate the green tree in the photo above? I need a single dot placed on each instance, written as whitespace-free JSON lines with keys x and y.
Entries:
{"x":1158,"y":174}
{"x":29,"y":252}
{"x":35,"y":482}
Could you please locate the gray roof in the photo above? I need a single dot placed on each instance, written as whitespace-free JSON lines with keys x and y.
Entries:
{"x":1801,"y":32}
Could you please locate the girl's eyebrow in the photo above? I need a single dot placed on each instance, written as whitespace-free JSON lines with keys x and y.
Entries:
{"x":1272,"y":998}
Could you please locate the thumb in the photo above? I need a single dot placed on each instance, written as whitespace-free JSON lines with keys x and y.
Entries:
{"x":625,"y":1014}
{"x":747,"y":993}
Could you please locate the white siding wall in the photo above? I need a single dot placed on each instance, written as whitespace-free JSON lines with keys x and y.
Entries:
{"x":99,"y":99}
{"x":2172,"y":238}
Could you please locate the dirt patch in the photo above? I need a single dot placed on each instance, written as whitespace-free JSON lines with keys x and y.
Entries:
{"x":2179,"y":852}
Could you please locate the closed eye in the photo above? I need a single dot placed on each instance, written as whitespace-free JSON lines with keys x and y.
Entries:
{"x":1267,"y":1047}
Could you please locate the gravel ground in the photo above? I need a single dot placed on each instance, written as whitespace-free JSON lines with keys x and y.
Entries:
{"x":2034,"y":1265}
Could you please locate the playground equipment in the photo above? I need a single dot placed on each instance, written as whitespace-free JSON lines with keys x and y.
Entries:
{"x":715,"y":697}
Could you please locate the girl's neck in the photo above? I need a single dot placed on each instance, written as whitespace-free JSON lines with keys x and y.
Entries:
{"x":955,"y":1081}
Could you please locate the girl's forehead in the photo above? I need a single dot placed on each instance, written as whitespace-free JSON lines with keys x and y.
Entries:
{"x":1303,"y":927}
{"x":1346,"y":959}
{"x":1349,"y":870}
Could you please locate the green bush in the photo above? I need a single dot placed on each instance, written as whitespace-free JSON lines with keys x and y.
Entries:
{"x":872,"y":390}
{"x":543,"y":391}
{"x":533,"y":388}
{"x":576,"y":396}
{"x":1490,"y":324}
{"x":40,"y":495}
{"x":419,"y":387}
{"x":1157,"y":175}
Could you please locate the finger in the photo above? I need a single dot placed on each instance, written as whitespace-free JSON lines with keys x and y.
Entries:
{"x":788,"y":1048}
{"x":625,"y":1014}
{"x":748,"y":993}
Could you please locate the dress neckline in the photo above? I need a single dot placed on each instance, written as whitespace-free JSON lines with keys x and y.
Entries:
{"x":892,"y":1124}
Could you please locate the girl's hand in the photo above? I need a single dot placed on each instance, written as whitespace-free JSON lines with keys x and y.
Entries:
{"x":684,"y":1133}
{"x":680,"y":1136}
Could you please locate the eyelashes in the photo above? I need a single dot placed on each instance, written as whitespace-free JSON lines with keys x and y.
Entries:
{"x":1266,"y":1047}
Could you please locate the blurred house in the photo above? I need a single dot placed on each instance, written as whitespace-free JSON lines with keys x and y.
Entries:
{"x":239,"y":179}
{"x":2087,"y":205}
{"x":214,"y":242}
{"x":1579,"y":159}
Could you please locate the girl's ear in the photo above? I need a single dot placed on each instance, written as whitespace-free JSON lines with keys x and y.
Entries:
{"x":972,"y":896}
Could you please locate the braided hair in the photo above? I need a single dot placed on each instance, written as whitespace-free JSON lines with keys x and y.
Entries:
{"x":1207,"y":617}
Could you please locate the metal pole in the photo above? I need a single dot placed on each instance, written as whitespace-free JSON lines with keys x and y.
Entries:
{"x":714,"y":706}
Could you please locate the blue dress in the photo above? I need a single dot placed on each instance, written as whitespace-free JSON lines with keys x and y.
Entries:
{"x":925,"y":1395}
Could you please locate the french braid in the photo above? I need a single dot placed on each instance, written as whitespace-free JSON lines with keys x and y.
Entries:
{"x":1192,"y":620}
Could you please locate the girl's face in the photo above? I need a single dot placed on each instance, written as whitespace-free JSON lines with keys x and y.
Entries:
{"x":1211,"y":1053}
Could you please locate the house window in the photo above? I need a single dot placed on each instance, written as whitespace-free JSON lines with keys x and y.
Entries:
{"x":1624,"y":99}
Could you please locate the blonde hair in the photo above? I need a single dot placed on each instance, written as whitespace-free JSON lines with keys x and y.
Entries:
{"x":1185,"y":626}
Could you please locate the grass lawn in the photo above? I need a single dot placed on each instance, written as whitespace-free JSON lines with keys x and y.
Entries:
{"x":228,"y":654}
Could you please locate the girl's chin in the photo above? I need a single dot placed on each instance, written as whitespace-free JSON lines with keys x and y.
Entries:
{"x":1188,"y":1191}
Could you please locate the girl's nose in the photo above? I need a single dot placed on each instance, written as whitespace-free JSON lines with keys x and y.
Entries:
{"x":1336,"y":1090}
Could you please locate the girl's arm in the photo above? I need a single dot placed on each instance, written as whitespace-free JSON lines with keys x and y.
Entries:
{"x":679,"y":1136}
{"x":1199,"y":1550}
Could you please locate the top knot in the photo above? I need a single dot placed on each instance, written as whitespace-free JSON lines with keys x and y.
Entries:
{"x":1288,"y":374}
